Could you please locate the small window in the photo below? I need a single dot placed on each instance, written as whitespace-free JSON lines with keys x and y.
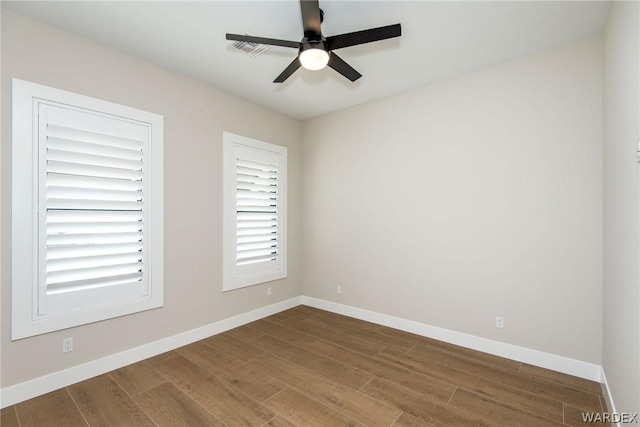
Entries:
{"x":255,"y":212}
{"x":87,"y":210}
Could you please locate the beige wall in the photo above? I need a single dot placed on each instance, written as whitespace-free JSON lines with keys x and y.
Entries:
{"x":195,"y":115}
{"x":621,"y":336}
{"x":477,"y":196}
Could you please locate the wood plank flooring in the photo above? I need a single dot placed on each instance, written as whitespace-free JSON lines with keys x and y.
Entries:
{"x":307,"y":367}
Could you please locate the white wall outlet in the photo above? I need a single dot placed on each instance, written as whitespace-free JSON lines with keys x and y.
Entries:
{"x":339,"y":289}
{"x":67,"y":345}
{"x":499,"y":322}
{"x":269,"y":291}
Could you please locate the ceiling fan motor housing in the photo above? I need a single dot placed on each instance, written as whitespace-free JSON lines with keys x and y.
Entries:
{"x":307,"y":43}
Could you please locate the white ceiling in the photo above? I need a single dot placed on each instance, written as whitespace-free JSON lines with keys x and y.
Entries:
{"x":439,"y":40}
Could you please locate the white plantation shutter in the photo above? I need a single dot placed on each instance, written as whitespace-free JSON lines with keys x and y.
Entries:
{"x":87,"y":205}
{"x":255,"y":212}
{"x":91,"y":209}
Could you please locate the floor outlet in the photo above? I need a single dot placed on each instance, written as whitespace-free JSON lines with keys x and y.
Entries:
{"x":67,"y":345}
{"x":499,"y":322}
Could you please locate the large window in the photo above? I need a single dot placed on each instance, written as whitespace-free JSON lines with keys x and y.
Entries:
{"x":255,"y":211}
{"x":87,"y":240}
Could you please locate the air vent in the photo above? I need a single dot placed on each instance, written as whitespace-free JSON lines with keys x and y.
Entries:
{"x":251,"y":49}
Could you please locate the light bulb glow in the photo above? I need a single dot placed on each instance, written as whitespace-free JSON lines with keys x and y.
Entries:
{"x":314,"y":59}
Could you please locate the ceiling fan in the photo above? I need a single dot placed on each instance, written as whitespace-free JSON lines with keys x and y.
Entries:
{"x":315,"y":51}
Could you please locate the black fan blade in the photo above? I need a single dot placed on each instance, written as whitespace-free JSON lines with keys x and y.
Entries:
{"x":310,"y":17}
{"x":262,"y":40}
{"x":364,"y":36}
{"x":288,"y":71}
{"x":343,"y":68}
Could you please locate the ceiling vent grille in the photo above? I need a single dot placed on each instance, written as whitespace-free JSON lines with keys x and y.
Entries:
{"x":251,"y":49}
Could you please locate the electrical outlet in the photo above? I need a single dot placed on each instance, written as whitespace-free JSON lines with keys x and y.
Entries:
{"x":269,"y":291}
{"x":67,"y":345}
{"x":499,"y":322}
{"x":339,"y":289}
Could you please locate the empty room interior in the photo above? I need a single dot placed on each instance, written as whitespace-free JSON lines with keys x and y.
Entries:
{"x":277,"y":213}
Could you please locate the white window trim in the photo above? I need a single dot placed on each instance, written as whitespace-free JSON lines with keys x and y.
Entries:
{"x":25,"y":232}
{"x":232,"y":276}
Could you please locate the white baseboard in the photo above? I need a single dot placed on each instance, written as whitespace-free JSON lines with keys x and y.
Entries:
{"x":608,"y":396}
{"x":42,"y":385}
{"x":554,"y":362}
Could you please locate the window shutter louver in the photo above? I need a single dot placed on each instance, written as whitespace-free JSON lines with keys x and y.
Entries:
{"x":92,"y":206}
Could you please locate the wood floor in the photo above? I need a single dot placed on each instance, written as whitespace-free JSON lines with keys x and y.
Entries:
{"x":308,"y":367}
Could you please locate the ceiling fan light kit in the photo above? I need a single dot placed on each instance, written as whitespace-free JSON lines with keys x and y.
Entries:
{"x":315,"y":51}
{"x":313,"y":57}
